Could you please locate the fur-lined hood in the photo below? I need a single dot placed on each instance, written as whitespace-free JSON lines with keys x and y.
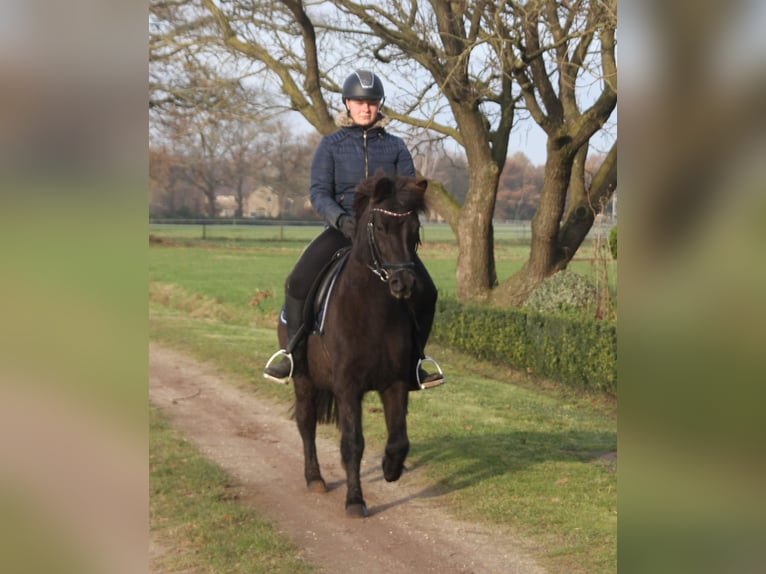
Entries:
{"x":343,"y":120}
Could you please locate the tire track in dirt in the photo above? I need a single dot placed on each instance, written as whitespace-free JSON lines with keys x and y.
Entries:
{"x":254,"y":440}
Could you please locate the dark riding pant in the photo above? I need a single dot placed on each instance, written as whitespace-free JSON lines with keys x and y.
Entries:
{"x":311,"y":262}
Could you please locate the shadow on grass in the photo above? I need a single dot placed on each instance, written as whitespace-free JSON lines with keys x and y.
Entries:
{"x":467,"y":461}
{"x":471,"y":459}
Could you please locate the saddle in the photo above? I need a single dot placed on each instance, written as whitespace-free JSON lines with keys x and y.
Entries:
{"x":315,"y":306}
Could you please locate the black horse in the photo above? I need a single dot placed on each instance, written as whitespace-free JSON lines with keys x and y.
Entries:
{"x":366,"y":342}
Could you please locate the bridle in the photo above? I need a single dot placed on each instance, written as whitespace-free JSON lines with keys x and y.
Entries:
{"x":378,"y":267}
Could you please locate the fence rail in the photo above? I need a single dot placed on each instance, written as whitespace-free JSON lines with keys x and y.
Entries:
{"x":303,"y":230}
{"x":231,"y":221}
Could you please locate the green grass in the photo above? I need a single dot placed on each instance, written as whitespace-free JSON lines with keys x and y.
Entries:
{"x":230,"y":277}
{"x":500,"y":448}
{"x":196,"y":520}
{"x":268,"y":252}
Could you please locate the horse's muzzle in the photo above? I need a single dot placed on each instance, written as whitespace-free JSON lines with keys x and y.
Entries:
{"x":401,"y":282}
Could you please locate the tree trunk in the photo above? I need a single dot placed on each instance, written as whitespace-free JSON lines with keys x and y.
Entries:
{"x":553,"y":246}
{"x":210,"y":198}
{"x":475,"y":274}
{"x":543,"y":253}
{"x":240,"y":198}
{"x":582,"y":213}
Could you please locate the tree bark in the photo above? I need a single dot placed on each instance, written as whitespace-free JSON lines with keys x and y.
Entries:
{"x":582,"y":213}
{"x":475,"y":272}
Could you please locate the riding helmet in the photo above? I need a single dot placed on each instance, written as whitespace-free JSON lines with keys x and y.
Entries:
{"x":363,"y":85}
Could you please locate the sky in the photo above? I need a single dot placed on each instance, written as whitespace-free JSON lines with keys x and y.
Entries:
{"x":528,"y":138}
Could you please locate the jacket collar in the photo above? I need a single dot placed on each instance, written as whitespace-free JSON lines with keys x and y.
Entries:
{"x":343,"y":120}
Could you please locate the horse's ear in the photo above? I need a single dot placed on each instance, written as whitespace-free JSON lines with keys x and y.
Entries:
{"x":384,"y":187}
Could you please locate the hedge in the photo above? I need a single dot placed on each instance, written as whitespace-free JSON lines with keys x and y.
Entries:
{"x":576,"y":351}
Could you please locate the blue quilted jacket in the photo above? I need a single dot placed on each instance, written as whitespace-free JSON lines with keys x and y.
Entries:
{"x":348,"y":156}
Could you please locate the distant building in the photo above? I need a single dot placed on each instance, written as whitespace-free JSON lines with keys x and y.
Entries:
{"x":226,"y":205}
{"x":263,"y":201}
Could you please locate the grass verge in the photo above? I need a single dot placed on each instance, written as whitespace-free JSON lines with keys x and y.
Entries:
{"x":196,"y":523}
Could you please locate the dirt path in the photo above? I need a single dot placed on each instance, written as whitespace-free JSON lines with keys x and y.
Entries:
{"x":259,"y":445}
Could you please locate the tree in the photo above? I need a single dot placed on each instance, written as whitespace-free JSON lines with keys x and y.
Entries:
{"x":289,"y":165}
{"x":214,"y":120}
{"x":550,"y":96}
{"x":160,"y":197}
{"x":464,"y":71}
{"x":205,"y":171}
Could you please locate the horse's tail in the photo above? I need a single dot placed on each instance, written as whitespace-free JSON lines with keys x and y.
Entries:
{"x":327,"y":411}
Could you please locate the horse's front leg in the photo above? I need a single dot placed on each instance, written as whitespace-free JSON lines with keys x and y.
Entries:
{"x":306,"y":417}
{"x":351,"y":450}
{"x":398,"y":445}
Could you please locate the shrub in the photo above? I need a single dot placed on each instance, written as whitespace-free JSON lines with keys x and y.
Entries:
{"x":613,"y":242}
{"x":564,"y":293}
{"x":576,"y":351}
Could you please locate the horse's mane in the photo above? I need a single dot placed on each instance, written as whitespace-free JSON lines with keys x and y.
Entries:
{"x":394,"y":193}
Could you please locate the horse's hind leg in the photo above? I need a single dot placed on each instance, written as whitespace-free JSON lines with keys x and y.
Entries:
{"x":398,"y":445}
{"x":306,"y":417}
{"x":351,"y":450}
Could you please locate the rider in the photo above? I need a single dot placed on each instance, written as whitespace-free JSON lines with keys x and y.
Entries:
{"x":342,"y":160}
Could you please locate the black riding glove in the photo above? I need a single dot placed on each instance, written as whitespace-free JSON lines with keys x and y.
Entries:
{"x":346,"y":224}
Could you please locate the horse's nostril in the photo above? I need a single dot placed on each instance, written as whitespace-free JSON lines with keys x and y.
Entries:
{"x":401,"y":285}
{"x":401,"y":293}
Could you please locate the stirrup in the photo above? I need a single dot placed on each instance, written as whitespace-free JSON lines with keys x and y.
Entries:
{"x":430,"y":384}
{"x":280,"y":353}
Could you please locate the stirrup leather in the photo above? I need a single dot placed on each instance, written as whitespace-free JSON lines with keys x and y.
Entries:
{"x":428,"y":359}
{"x":280,"y":353}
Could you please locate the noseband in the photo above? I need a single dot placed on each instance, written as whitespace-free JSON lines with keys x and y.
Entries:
{"x":378,"y":267}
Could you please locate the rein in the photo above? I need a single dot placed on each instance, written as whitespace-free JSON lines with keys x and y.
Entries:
{"x":381,"y":269}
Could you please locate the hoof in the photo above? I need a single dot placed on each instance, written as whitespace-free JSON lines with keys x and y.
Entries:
{"x":391,"y":471}
{"x":317,"y":486}
{"x":357,"y":511}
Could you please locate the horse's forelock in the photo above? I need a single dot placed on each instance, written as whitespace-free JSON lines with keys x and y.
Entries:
{"x":397,"y":194}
